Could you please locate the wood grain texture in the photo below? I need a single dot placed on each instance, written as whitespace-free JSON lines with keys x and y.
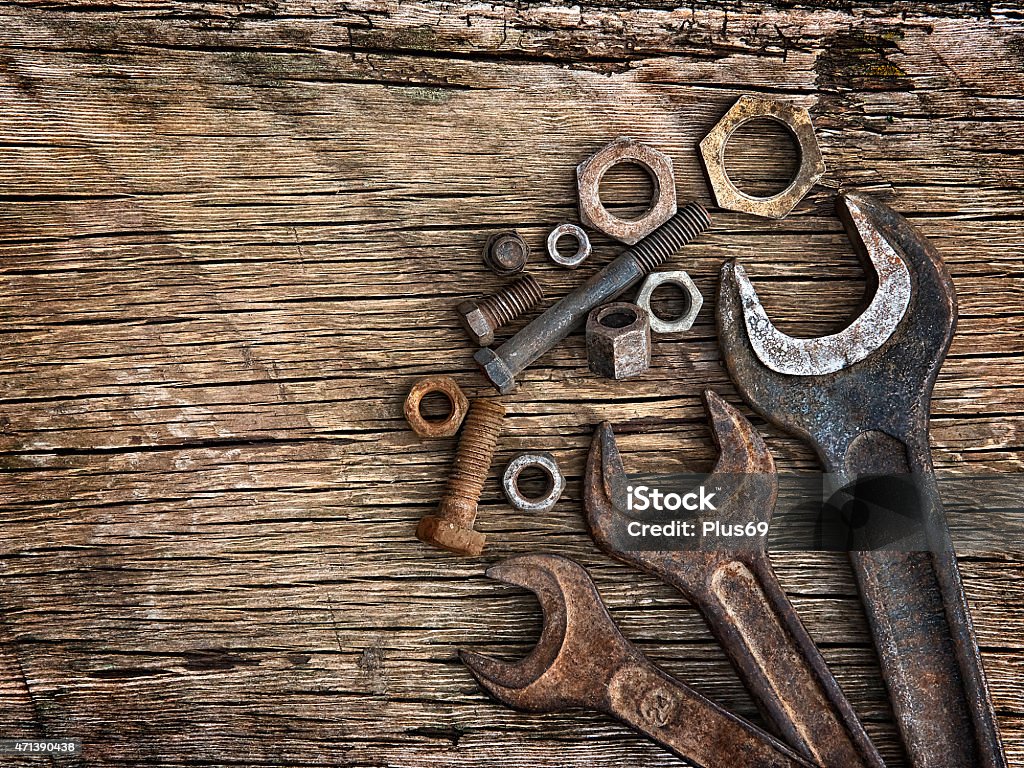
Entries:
{"x":230,"y":239}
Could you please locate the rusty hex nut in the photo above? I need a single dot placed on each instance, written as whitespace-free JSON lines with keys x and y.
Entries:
{"x":446,"y":386}
{"x":626,"y":150}
{"x":797,"y":121}
{"x":506,"y":253}
{"x":619,"y":340}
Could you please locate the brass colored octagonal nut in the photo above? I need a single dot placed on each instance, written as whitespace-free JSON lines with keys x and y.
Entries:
{"x":797,"y":121}
{"x":444,"y":385}
{"x":694,"y":301}
{"x":626,"y":150}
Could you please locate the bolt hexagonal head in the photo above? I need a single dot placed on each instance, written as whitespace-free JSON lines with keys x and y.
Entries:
{"x":619,"y":340}
{"x":496,"y":370}
{"x":479,"y":324}
{"x":451,"y":536}
{"x":797,"y":121}
{"x":663,"y":203}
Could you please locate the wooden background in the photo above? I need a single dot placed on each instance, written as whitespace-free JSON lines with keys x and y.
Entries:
{"x":230,"y":238}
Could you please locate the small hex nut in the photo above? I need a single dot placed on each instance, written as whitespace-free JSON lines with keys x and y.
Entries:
{"x":626,"y":150}
{"x":543,"y":461}
{"x":694,"y":301}
{"x":446,"y":386}
{"x":582,"y":245}
{"x":797,"y":121}
{"x":619,"y":340}
{"x":506,"y":253}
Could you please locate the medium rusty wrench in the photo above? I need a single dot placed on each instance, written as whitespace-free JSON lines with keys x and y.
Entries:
{"x":738,"y":593}
{"x":869,"y":416}
{"x":583,"y":661}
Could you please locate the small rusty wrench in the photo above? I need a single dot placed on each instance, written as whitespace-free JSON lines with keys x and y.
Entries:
{"x":861,"y":399}
{"x":738,"y":593}
{"x":583,"y":661}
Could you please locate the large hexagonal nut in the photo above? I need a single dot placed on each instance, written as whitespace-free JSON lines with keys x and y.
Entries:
{"x":797,"y":121}
{"x":619,"y":340}
{"x":663,"y":204}
{"x":692,"y":301}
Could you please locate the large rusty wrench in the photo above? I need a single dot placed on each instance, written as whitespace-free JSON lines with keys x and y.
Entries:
{"x":583,"y":661}
{"x":738,"y":593}
{"x":870,"y":416}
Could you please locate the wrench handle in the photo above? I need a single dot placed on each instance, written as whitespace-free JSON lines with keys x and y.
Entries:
{"x":687,"y":724}
{"x":921,"y":623}
{"x":780,"y":664}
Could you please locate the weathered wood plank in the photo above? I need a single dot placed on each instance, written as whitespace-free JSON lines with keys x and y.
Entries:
{"x":230,"y":238}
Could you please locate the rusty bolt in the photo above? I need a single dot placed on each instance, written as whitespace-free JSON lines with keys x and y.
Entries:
{"x":481,"y":319}
{"x":443,"y":385}
{"x":619,"y":340}
{"x":452,"y":527}
{"x":506,"y":253}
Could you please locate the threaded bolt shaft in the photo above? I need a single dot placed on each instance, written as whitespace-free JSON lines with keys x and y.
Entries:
{"x":512,"y":301}
{"x":483,"y":318}
{"x":502,"y":365}
{"x":472,"y":462}
{"x":452,"y":527}
{"x":671,"y":236}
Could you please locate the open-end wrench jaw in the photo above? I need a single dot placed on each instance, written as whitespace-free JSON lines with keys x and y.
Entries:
{"x":744,"y":473}
{"x":889,"y":286}
{"x":583,"y":660}
{"x":578,"y":635}
{"x":885,"y":391}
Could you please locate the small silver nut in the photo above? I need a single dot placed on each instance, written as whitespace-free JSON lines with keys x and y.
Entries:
{"x":582,"y":245}
{"x":506,"y":253}
{"x":477,"y":324}
{"x":619,"y":340}
{"x":797,"y":121}
{"x":693,"y":301}
{"x":663,"y":202}
{"x":543,"y":461}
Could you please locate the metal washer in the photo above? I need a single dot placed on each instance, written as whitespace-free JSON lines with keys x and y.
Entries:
{"x":582,"y":247}
{"x":510,"y":481}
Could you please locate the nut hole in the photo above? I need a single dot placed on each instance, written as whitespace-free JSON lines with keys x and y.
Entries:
{"x":618,"y":318}
{"x":567,"y":245}
{"x":762,"y":157}
{"x":631,"y":186}
{"x":534,"y":482}
{"x":436,"y":407}
{"x":669,"y":301}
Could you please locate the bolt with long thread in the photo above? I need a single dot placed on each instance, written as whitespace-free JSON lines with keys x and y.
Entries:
{"x":483,"y":318}
{"x":452,"y":527}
